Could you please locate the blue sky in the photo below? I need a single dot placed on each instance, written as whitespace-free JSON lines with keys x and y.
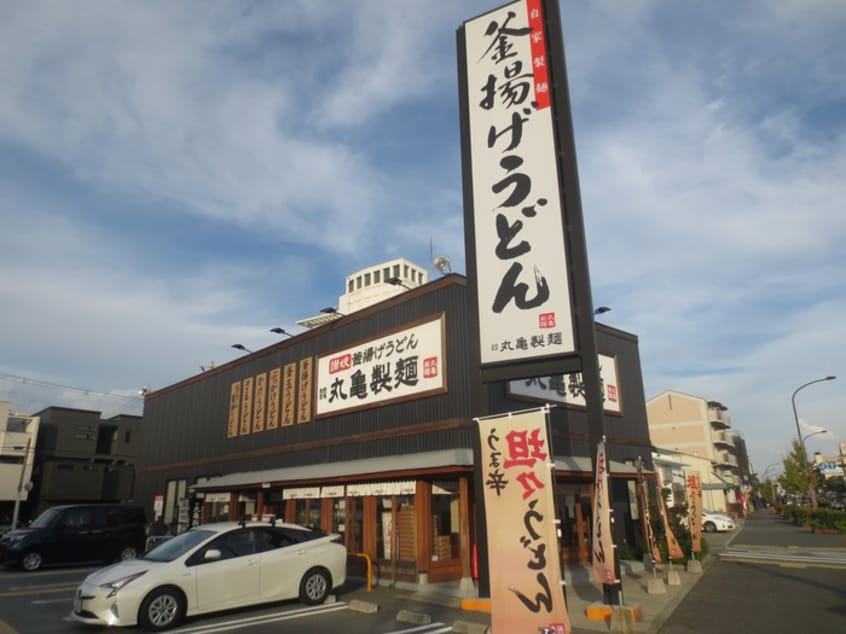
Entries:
{"x":178,"y":177}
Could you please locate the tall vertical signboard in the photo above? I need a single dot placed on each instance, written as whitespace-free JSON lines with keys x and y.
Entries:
{"x":525,"y":567}
{"x":514,"y":202}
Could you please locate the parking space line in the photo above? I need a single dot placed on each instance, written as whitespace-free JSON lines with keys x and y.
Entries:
{"x":429,"y":628}
{"x":261,"y":619}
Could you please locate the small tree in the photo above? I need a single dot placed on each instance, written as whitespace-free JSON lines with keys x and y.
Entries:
{"x":799,"y":475}
{"x":768,"y":491}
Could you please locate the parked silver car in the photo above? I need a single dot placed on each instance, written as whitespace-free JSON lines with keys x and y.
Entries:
{"x":713,"y":522}
{"x":213,"y":567}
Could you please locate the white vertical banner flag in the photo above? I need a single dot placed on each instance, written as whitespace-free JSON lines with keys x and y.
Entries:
{"x":523,"y":554}
{"x":603,"y":543}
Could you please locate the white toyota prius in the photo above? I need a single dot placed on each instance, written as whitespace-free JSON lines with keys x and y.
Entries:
{"x":213,"y":567}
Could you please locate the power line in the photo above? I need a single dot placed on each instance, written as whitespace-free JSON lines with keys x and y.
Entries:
{"x":58,"y":386}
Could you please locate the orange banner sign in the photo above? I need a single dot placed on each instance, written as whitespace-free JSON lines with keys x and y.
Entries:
{"x":603,"y":543}
{"x":525,"y":569}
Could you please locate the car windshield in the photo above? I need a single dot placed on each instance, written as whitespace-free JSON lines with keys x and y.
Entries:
{"x":178,"y":546}
{"x":45,"y":519}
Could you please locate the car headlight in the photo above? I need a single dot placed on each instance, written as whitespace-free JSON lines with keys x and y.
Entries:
{"x":117,"y":585}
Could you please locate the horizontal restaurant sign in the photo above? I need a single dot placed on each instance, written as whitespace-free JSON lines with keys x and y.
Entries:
{"x":569,"y":389}
{"x":301,"y":493}
{"x":406,"y":487}
{"x":407,"y":363}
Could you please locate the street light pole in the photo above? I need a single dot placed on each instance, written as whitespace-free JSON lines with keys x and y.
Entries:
{"x":21,"y":485}
{"x":811,"y":488}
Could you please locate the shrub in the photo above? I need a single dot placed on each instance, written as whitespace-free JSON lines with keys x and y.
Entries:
{"x":629,"y":552}
{"x":828,"y":519}
{"x":677,"y":518}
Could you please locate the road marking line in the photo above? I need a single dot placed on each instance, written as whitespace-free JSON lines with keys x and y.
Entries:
{"x":5,"y":628}
{"x":24,"y":593}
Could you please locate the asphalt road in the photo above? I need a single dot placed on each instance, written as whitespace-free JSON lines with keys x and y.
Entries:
{"x":775,"y":577}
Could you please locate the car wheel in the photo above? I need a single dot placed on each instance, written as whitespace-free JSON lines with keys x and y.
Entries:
{"x":161,"y":609}
{"x":315,"y":586}
{"x":128,"y":552}
{"x":710,"y":527}
{"x":31,"y":561}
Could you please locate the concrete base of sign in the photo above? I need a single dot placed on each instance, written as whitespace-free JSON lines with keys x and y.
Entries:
{"x":656,"y":586}
{"x":694,"y":565}
{"x":623,"y":620}
{"x":673,"y":578}
{"x":466,"y":586}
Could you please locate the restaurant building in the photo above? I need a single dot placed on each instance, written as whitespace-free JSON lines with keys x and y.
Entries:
{"x":364,"y":425}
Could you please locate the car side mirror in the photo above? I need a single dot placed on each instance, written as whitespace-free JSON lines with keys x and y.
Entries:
{"x":212,"y":554}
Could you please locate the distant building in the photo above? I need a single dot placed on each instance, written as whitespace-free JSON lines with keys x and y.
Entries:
{"x":674,"y":466}
{"x":700,"y":427}
{"x":831,"y":466}
{"x":82,"y":457}
{"x":18,"y":433}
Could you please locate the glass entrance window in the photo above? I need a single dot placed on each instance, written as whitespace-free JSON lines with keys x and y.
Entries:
{"x":339,"y":516}
{"x":307,"y":512}
{"x":445,"y":521}
{"x":385,"y":528}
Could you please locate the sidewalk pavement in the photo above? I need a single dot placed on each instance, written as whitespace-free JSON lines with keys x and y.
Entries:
{"x":582,"y":592}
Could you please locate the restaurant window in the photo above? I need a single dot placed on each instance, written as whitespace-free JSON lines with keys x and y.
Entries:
{"x":174,"y":492}
{"x":354,"y":525}
{"x":339,"y":516}
{"x":445,"y":520}
{"x":247,"y":506}
{"x":307,"y":513}
{"x":402,"y":544}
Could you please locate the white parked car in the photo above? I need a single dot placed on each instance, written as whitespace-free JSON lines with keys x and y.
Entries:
{"x":213,"y":567}
{"x":713,"y":522}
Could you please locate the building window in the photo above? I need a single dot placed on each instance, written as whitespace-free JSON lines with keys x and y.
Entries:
{"x":376,"y":276}
{"x":127,"y":436}
{"x":307,"y":513}
{"x":367,"y":279}
{"x":358,"y":282}
{"x":339,"y":516}
{"x":396,"y":270}
{"x":386,"y":273}
{"x":445,"y":520}
{"x":350,"y":286}
{"x":175,"y":492}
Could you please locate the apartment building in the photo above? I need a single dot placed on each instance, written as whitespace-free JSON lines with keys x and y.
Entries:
{"x":700,"y":427}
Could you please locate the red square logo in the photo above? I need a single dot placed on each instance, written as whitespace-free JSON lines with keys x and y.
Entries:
{"x":430,"y":367}
{"x":546,"y":320}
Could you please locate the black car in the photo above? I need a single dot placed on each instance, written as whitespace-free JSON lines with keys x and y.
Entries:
{"x":75,"y":534}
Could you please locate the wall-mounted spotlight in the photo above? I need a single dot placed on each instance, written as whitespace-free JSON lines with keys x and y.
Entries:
{"x":281,"y":331}
{"x":331,"y":310}
{"x":240,"y":346}
{"x":600,"y":310}
{"x":442,"y":264}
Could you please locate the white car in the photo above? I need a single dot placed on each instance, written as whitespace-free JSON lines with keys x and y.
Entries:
{"x":213,"y":567}
{"x":713,"y":522}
